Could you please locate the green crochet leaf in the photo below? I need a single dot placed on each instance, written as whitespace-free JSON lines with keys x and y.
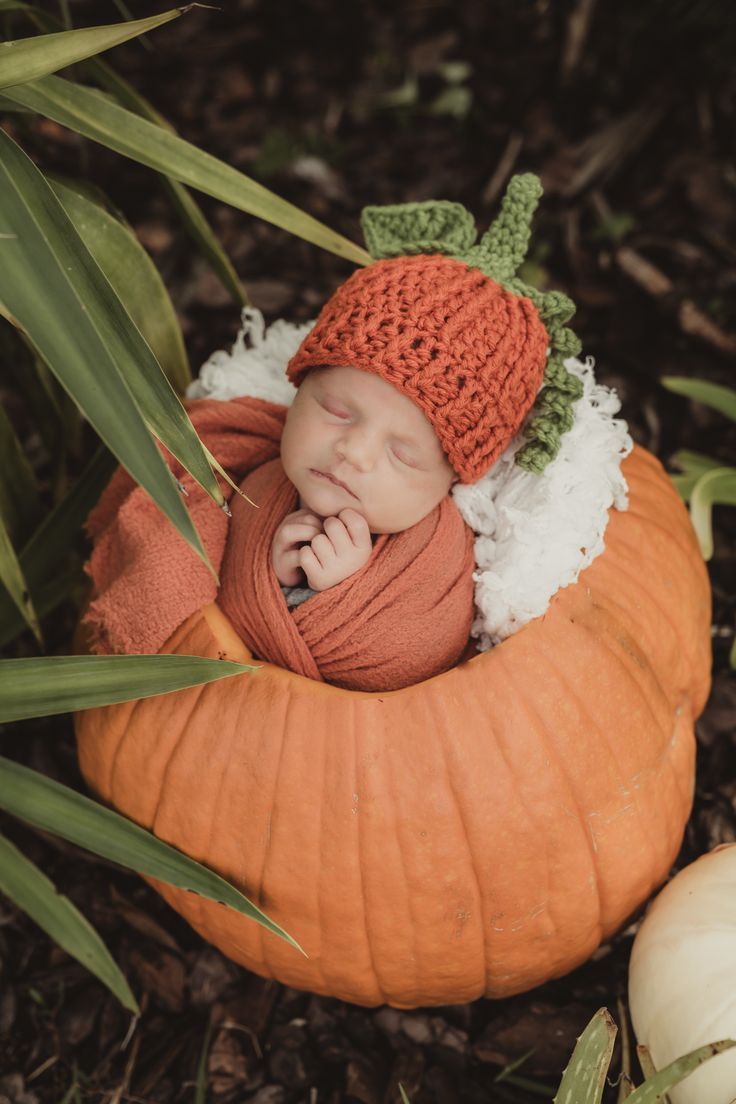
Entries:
{"x":440,"y":226}
{"x":503,"y":247}
{"x":405,"y":229}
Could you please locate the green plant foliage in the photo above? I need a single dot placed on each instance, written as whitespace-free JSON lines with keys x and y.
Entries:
{"x":88,"y":113}
{"x":132,"y":275}
{"x":41,"y":687}
{"x":716,"y":487}
{"x":43,"y":557}
{"x":55,"y":808}
{"x":87,"y":339}
{"x":585,"y":1076}
{"x":722,"y":399}
{"x":19,"y":503}
{"x":656,"y":1085}
{"x":584,"y":1079}
{"x":706,"y":482}
{"x":12,"y":578}
{"x":188,"y":209}
{"x":27,"y":59}
{"x":22,"y":882}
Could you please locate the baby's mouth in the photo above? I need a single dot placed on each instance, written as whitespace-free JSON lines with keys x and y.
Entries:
{"x":333,"y":479}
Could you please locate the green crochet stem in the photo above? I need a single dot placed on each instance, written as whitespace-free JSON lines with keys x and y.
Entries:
{"x":440,"y":226}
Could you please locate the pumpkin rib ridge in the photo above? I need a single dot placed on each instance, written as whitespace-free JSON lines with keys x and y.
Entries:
{"x":170,"y":759}
{"x":542,"y":731}
{"x":511,"y":771}
{"x":202,"y":908}
{"x":413,"y":927}
{"x":649,"y":520}
{"x":597,"y":728}
{"x":128,"y":728}
{"x":466,"y":837}
{"x":111,"y":759}
{"x":360,"y":838}
{"x":613,"y":564}
{"x":686,"y":555}
{"x":585,"y":817}
{"x":505,"y":668}
{"x":267,"y":850}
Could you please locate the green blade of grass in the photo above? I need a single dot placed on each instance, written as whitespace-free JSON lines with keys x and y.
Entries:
{"x":193,"y":219}
{"x":695,"y":463}
{"x":53,"y":290}
{"x":48,"y":805}
{"x":94,"y":116}
{"x":19,"y":503}
{"x":51,"y":543}
{"x":585,"y":1076}
{"x":716,"y":487}
{"x":12,"y":578}
{"x":132,"y":275}
{"x":31,"y":891}
{"x":189,"y":211}
{"x":42,"y":686}
{"x":722,"y":399}
{"x":127,"y":349}
{"x":200,"y":1085}
{"x":28,"y":59}
{"x":654,"y":1088}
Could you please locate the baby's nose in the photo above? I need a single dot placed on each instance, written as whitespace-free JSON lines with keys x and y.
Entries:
{"x":359,"y":449}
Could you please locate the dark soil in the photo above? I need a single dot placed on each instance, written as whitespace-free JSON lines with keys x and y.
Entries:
{"x":630,"y":127}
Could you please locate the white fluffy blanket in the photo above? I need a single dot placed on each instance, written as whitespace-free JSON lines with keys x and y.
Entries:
{"x":534,"y":533}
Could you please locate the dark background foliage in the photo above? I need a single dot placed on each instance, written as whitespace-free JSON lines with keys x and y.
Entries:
{"x":627,"y":113}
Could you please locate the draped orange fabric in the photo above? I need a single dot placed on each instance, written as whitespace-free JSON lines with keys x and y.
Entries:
{"x":145,"y":577}
{"x":403,"y":617}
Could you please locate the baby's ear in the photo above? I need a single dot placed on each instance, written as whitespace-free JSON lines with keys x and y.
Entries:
{"x":435,"y":226}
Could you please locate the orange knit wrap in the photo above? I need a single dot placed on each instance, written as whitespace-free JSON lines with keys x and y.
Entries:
{"x":468,"y":353}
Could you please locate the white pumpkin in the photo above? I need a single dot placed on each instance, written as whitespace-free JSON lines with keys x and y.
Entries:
{"x":682,"y":975}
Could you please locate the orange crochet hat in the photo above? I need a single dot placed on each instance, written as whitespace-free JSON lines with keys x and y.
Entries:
{"x":440,"y":325}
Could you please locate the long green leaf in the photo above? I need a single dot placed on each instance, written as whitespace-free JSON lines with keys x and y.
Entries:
{"x":48,"y":805}
{"x":31,"y":890}
{"x":27,"y":59}
{"x":127,"y":349}
{"x":18,"y":488}
{"x":51,"y":288}
{"x":585,"y":1076}
{"x":133,"y":276}
{"x":51,"y":543}
{"x":90,"y":114}
{"x":722,"y":399}
{"x":12,"y":578}
{"x":190,"y":213}
{"x":693,"y":465}
{"x":45,"y":685}
{"x":654,"y":1088}
{"x":716,"y":487}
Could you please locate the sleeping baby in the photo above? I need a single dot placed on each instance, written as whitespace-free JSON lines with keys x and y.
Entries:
{"x":354,"y":566}
{"x":357,"y":568}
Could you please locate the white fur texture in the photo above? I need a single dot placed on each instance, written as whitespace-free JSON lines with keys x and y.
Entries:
{"x":534,"y":533}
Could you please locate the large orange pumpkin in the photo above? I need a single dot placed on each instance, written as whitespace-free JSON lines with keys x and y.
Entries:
{"x":478,"y":833}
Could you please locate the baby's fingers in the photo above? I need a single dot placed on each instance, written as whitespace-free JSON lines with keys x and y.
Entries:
{"x":296,"y":531}
{"x":357,"y":527}
{"x":323,"y":549}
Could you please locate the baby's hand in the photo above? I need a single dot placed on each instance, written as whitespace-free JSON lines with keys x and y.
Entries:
{"x":337,"y":553}
{"x":295,"y":529}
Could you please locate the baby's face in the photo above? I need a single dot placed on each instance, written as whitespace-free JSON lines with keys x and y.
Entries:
{"x":356,"y":428}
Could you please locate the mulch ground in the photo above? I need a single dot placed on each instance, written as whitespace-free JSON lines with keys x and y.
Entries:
{"x":626,"y":112}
